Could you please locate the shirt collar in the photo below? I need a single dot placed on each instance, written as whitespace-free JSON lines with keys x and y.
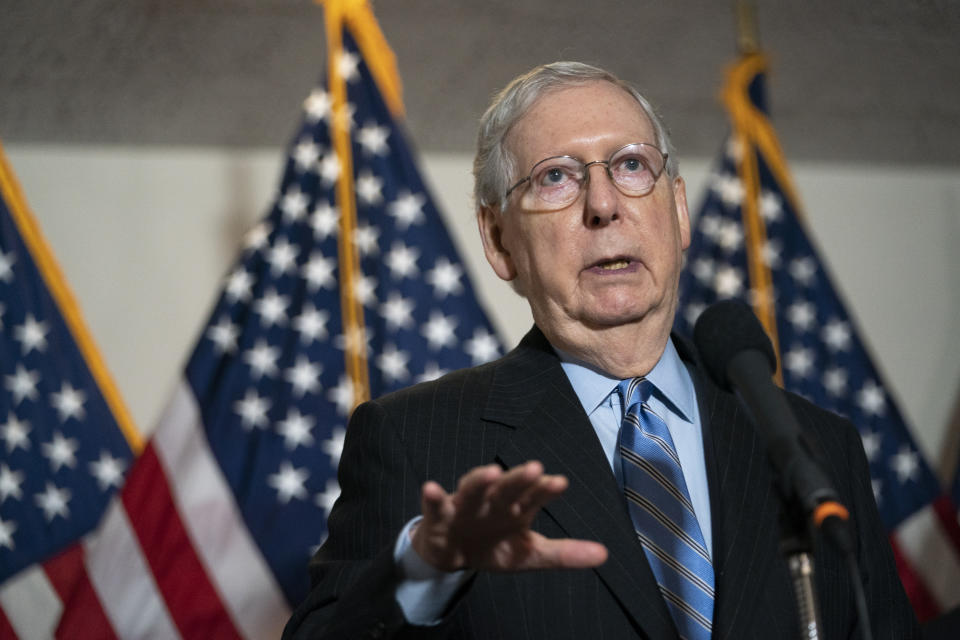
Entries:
{"x":669,"y":375}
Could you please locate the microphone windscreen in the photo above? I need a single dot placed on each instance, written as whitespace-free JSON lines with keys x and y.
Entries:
{"x":725,"y":329}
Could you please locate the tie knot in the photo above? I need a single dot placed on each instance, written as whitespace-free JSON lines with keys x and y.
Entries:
{"x":634,"y":391}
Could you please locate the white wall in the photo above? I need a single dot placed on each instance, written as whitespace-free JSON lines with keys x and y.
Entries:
{"x":145,"y":234}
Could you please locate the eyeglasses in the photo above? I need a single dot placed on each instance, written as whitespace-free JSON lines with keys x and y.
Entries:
{"x":557,"y":181}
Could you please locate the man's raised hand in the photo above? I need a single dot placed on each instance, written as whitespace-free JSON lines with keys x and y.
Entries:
{"x":485,"y":524}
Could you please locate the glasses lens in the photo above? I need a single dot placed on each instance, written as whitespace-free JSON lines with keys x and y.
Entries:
{"x":636,"y":167}
{"x":557,"y":180}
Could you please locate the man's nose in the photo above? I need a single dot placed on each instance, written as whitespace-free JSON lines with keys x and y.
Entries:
{"x":601,"y":202}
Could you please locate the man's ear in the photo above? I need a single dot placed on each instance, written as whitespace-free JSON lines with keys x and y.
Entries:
{"x":491,"y":233}
{"x":683,"y":215}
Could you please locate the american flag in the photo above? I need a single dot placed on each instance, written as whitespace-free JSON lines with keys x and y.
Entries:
{"x":211,"y":535}
{"x":63,"y":452}
{"x":750,"y":243}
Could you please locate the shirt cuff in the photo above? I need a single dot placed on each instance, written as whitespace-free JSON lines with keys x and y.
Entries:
{"x":423,"y":592}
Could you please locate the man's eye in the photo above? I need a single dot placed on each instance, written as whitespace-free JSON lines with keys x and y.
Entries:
{"x":554,"y":176}
{"x":632,"y":165}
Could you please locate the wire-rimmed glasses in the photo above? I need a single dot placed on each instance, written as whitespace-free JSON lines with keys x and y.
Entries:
{"x":557,"y":181}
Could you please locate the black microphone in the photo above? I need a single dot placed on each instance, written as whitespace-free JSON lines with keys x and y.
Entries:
{"x":738,"y":355}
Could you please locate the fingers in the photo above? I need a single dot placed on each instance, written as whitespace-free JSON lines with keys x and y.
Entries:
{"x":566,"y":554}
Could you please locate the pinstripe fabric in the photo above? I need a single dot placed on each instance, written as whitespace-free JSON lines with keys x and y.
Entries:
{"x":662,"y":515}
{"x":522,"y":407}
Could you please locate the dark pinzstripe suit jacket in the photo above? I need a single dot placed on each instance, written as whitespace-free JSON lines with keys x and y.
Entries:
{"x":521,"y":408}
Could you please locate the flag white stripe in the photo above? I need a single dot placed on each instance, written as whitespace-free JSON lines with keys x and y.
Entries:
{"x":247,"y":586}
{"x":932,"y":555}
{"x":123,"y":581}
{"x":31,"y":604}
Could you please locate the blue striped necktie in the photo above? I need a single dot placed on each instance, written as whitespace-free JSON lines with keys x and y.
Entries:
{"x":662,"y":514}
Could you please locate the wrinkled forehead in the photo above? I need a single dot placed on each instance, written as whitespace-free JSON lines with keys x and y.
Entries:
{"x":589,"y":118}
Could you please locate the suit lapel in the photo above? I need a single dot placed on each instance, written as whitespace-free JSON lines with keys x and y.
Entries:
{"x":743,"y":505}
{"x":532,"y":396}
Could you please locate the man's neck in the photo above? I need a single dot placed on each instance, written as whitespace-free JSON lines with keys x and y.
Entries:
{"x":623,"y":351}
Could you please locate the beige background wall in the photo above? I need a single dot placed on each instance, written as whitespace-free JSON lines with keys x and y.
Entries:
{"x":144,"y":235}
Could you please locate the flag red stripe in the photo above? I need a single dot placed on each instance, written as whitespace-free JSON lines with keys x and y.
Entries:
{"x":6,"y":631}
{"x":947,"y":514}
{"x":191,"y":598}
{"x":83,"y":615}
{"x":924,"y":604}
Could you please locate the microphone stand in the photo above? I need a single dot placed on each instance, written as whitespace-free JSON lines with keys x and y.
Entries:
{"x":797,"y":546}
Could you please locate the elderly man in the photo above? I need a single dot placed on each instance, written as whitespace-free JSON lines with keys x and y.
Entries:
{"x":593,"y":482}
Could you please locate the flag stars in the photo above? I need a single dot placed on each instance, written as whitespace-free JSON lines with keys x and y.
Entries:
{"x":317,"y":105}
{"x":703,"y":270}
{"x":347,"y":65}
{"x":728,"y":282}
{"x":835,"y":381}
{"x":15,"y":433}
{"x":224,"y":335}
{"x":439,"y":331}
{"x":710,"y":225}
{"x":272,"y":308}
{"x":262,"y":359}
{"x":7,"y":529}
{"x":365,"y":288}
{"x":354,"y":340}
{"x":393,"y":364}
{"x":402,"y":261}
{"x":60,"y":451}
{"x":239,"y":286}
{"x":407,"y":209}
{"x":772,"y":250}
{"x":803,"y":270}
{"x":22,"y":384}
{"x":329,"y":496}
{"x":905,"y":463}
{"x":257,"y":237}
{"x":482,"y":347}
{"x":342,"y":395}
{"x":771,"y":206}
{"x":319,"y":272}
{"x":304,"y":376}
{"x":799,"y":361}
{"x":369,"y":188}
{"x":329,"y":168}
{"x":296,"y":430}
{"x":334,"y":446}
{"x":288,"y":482}
{"x":870,"y":399}
{"x":306,"y":155}
{"x":730,"y":237}
{"x":68,"y":402}
{"x":53,"y":501}
{"x":365,"y":238}
{"x":282,"y":257}
{"x":252,"y":409}
{"x":294,"y":204}
{"x":7,"y":260}
{"x":693,"y":311}
{"x":871,"y":444}
{"x":729,"y":189}
{"x":324,"y":221}
{"x":311,"y":324}
{"x":107,"y":470}
{"x":373,"y":139}
{"x":836,"y":334}
{"x":397,"y":311}
{"x":10,"y":482}
{"x":802,"y":315}
{"x":431,"y":371}
{"x":445,"y":278}
{"x":31,"y":335}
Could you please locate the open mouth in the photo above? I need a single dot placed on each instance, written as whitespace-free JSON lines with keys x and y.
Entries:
{"x":614,"y":265}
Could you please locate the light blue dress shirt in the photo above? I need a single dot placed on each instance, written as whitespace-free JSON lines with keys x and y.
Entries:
{"x":424,"y":592}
